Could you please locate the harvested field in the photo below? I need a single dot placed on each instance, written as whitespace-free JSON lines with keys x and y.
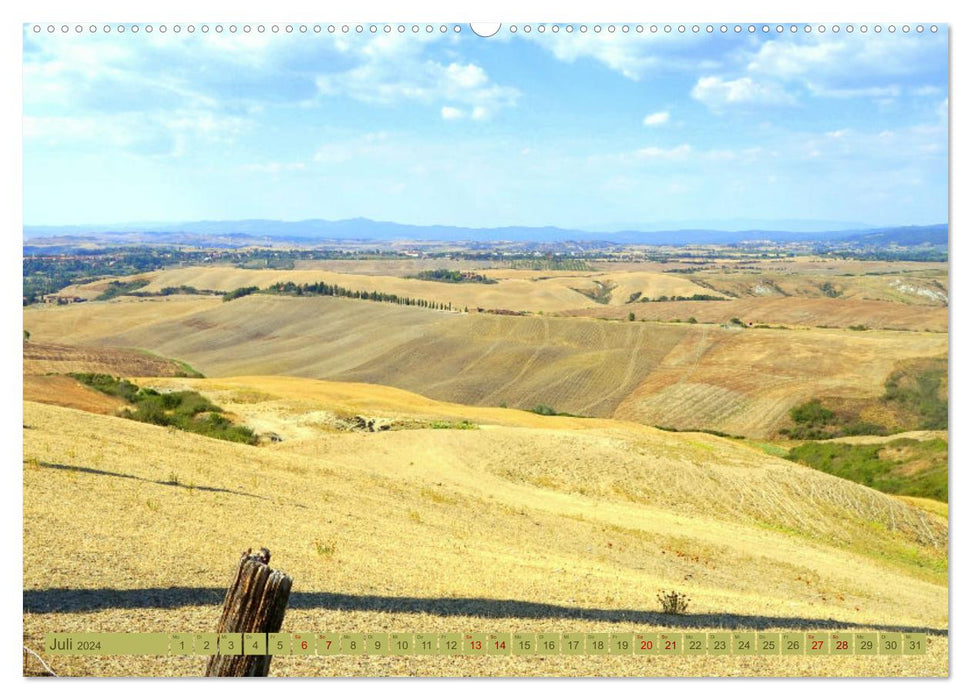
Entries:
{"x":573,"y":526}
{"x":47,"y":358}
{"x":68,"y":392}
{"x":677,"y":375}
{"x":785,"y":311}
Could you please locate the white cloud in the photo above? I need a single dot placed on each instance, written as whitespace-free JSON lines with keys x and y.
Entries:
{"x":818,"y":90}
{"x":627,"y":56}
{"x":844,"y":59}
{"x":717,"y":92}
{"x":407,"y":75}
{"x":656,"y":153}
{"x":860,"y":66}
{"x":787,"y":59}
{"x":634,"y":56}
{"x":478,"y":113}
{"x":656,"y":119}
{"x":467,"y":76}
{"x":159,"y":134}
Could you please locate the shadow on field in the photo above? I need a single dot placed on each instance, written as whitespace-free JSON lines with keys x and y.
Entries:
{"x":50,"y":600}
{"x":101,"y":472}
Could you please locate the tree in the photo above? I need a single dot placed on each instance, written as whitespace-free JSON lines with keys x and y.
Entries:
{"x":630,"y":316}
{"x":26,"y":335}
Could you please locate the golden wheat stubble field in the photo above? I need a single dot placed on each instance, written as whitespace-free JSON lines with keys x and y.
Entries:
{"x":685,"y":376}
{"x":526,"y":523}
{"x":523,"y":523}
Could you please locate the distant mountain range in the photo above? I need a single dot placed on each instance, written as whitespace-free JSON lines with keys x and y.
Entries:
{"x":252,"y":231}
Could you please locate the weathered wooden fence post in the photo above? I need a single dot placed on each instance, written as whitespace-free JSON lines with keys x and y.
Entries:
{"x":255,"y":602}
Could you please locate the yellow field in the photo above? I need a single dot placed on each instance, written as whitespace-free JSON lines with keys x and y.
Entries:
{"x":526,"y":523}
{"x":800,"y":312}
{"x":916,"y":286}
{"x":43,"y":359}
{"x":745,"y":381}
{"x":675,"y":375}
{"x":901,"y":286}
{"x":65,"y":391}
{"x":80,"y":324}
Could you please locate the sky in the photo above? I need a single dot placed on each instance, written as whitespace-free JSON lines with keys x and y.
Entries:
{"x":598,"y":131}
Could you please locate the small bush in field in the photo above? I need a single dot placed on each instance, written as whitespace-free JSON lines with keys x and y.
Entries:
{"x":673,"y":602}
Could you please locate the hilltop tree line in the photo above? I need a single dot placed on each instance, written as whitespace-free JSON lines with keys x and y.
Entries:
{"x":322,"y":289}
{"x":453,"y":276}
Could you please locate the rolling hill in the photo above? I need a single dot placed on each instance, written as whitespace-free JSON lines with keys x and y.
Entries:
{"x":524,"y":522}
{"x":678,"y":375}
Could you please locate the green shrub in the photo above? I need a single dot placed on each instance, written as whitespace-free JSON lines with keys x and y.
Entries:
{"x":185,"y":410}
{"x":117,"y":289}
{"x":921,"y":391}
{"x":811,"y":413}
{"x":240,"y":292}
{"x":909,"y":468}
{"x":106,"y":384}
{"x":454,"y":277}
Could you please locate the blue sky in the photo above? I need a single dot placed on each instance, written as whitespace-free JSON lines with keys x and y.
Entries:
{"x":597,"y":131}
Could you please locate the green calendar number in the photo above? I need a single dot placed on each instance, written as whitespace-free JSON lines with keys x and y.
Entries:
{"x":353,"y":644}
{"x":867,"y":643}
{"x":230,"y":643}
{"x":598,"y":643}
{"x":770,"y":643}
{"x":426,"y":644}
{"x":719,"y":643}
{"x":914,"y":643}
{"x":695,"y":643}
{"x":744,"y":643}
{"x":572,"y":643}
{"x":891,"y":643}
{"x":254,"y":644}
{"x":523,"y":644}
{"x":793,"y":643}
{"x":206,"y":644}
{"x":621,"y":643}
{"x":278,"y":643}
{"x":450,"y":644}
{"x":548,"y":643}
{"x":376,"y":643}
{"x":402,"y":643}
{"x":181,"y":644}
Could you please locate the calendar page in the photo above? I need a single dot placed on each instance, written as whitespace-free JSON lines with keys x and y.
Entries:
{"x":514,"y":349}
